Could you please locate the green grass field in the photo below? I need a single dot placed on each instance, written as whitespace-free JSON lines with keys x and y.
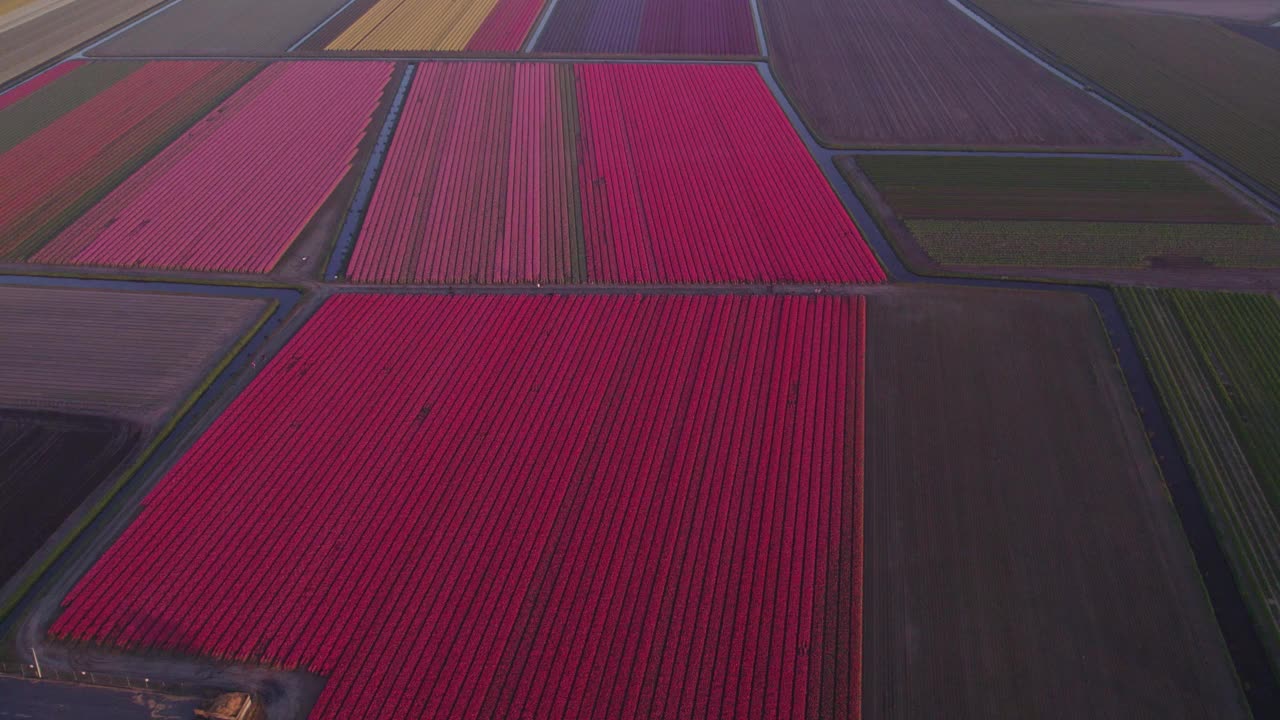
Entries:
{"x":1045,"y":244}
{"x":1213,"y":359}
{"x":1068,"y":212}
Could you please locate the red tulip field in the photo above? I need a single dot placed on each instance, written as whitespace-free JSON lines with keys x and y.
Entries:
{"x":522,"y":506}
{"x":602,"y":173}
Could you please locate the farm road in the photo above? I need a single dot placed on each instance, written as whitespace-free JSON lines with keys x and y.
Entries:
{"x":43,"y":700}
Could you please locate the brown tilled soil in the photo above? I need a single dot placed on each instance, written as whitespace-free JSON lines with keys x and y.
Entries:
{"x":119,"y":354}
{"x":222,"y":27}
{"x":1022,"y":558}
{"x":48,"y":464}
{"x":46,"y":35}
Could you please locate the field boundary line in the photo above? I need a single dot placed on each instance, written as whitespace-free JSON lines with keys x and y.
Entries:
{"x":761,"y":45}
{"x":319,"y":27}
{"x":539,"y":26}
{"x":118,"y":30}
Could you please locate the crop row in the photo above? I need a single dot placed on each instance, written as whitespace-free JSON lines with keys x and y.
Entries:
{"x":1213,"y":359}
{"x":72,"y":140}
{"x":650,"y":27}
{"x":879,"y":73}
{"x":1089,"y":244}
{"x":233,"y":192}
{"x":453,"y":25}
{"x":1230,"y":106}
{"x":522,"y":506}
{"x":987,"y":188}
{"x":533,"y":172}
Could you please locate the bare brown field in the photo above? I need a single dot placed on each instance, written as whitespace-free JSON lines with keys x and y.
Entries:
{"x":46,"y":35}
{"x":918,"y":73}
{"x":48,"y":463}
{"x":221,"y":27}
{"x":1022,"y":558}
{"x":119,"y":354}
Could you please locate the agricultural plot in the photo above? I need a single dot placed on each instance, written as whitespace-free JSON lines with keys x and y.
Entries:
{"x":1021,"y":556}
{"x":76,"y":131}
{"x":48,"y":464}
{"x":1245,"y":10}
{"x":1045,"y":213}
{"x":130,"y":355}
{"x":650,"y":27}
{"x":1213,"y":359}
{"x":33,"y":33}
{"x":602,"y":173}
{"x":430,"y":25}
{"x":220,"y":27}
{"x":87,"y":376}
{"x":522,"y":506}
{"x":1230,"y":107}
{"x":894,"y":73}
{"x":233,"y":192}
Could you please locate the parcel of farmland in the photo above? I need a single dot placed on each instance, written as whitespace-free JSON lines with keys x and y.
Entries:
{"x":74,"y":132}
{"x":522,"y":506}
{"x":221,"y":27}
{"x":1213,"y":357}
{"x":36,"y":32}
{"x":1022,"y":557}
{"x":233,"y":192}
{"x":86,"y":376}
{"x":650,"y":27}
{"x":1256,"y":11}
{"x":602,"y":173}
{"x":1048,"y":214}
{"x":884,"y":73}
{"x":429,"y":25}
{"x":1213,"y":86}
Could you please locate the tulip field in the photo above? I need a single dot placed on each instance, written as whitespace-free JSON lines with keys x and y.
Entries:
{"x":448,"y":25}
{"x":74,"y":135}
{"x":250,"y":177}
{"x":444,"y":503}
{"x":660,"y":27}
{"x":688,"y":359}
{"x":602,"y":173}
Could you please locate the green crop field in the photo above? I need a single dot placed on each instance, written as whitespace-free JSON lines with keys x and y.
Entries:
{"x":1214,"y":86}
{"x":1032,"y":243}
{"x":1068,"y":212}
{"x":1213,"y":359}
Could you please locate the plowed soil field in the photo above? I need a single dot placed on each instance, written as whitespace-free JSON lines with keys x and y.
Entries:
{"x":1022,"y":556}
